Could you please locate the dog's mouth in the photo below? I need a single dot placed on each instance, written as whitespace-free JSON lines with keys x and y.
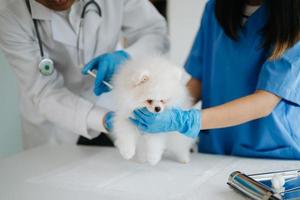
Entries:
{"x":156,"y":109}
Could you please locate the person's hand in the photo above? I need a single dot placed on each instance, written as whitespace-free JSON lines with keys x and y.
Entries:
{"x":106,"y":65}
{"x":186,"y":122}
{"x":108,"y":121}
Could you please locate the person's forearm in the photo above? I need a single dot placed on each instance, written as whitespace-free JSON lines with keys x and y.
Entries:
{"x":239,"y":111}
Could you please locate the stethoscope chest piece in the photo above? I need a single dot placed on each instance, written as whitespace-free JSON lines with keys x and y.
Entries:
{"x":46,"y":67}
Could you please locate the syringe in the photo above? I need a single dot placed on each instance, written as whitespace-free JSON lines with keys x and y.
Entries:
{"x":104,"y":82}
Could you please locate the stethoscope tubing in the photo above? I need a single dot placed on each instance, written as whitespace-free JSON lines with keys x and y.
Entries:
{"x":35,"y":21}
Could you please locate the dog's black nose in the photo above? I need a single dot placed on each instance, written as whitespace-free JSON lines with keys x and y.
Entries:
{"x":157,"y":109}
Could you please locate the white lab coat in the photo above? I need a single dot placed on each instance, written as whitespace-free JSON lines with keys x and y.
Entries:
{"x":55,"y":108}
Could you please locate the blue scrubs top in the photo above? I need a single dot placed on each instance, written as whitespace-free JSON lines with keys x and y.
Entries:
{"x":232,"y":69}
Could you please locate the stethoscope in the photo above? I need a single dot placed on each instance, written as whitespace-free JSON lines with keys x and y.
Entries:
{"x":46,"y":65}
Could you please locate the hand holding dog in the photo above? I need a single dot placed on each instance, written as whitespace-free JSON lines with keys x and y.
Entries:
{"x":174,"y":119}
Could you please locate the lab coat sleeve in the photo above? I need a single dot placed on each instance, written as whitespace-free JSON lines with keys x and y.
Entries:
{"x":144,"y":29}
{"x":282,"y":77}
{"x":194,"y":62}
{"x":48,"y":94}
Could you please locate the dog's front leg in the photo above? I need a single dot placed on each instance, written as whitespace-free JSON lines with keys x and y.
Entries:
{"x":155,"y":146}
{"x":126,"y":136}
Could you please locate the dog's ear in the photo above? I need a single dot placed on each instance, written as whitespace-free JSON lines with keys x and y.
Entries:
{"x":142,"y":78}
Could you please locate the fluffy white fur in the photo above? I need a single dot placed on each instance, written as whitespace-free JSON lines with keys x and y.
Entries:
{"x":153,"y":83}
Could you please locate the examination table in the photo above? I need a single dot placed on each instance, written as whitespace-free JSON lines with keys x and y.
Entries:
{"x":70,"y":172}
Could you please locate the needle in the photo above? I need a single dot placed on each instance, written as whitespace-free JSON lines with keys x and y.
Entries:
{"x":104,"y":82}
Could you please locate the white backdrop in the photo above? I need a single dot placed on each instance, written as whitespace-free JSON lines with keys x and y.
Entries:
{"x":184,"y":20}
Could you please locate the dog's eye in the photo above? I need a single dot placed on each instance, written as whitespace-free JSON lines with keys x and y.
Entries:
{"x":149,"y":101}
{"x":163,"y":101}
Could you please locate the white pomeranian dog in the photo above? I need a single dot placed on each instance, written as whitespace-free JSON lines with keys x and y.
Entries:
{"x":156,"y":84}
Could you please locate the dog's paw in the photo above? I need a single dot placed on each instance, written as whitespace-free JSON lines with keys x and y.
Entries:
{"x":184,"y":159}
{"x":127,"y":151}
{"x":153,"y":159}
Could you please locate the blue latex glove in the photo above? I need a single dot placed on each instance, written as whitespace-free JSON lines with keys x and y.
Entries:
{"x":186,"y":122}
{"x":106,"y":65}
{"x":108,"y":121}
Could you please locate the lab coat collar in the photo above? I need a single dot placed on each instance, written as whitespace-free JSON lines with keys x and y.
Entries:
{"x":39,"y":11}
{"x":70,"y":28}
{"x":75,"y":15}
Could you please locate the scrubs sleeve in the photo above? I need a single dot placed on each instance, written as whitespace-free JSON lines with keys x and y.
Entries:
{"x":282,"y":78}
{"x":194,"y":62}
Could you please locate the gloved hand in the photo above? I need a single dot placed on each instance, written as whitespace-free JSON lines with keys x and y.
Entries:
{"x":186,"y":122}
{"x":108,"y":121}
{"x":106,"y":65}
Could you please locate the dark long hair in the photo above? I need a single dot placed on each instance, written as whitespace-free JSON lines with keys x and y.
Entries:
{"x":281,"y":31}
